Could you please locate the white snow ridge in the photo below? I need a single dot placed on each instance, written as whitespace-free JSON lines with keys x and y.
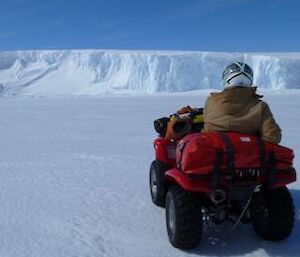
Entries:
{"x":100,"y":72}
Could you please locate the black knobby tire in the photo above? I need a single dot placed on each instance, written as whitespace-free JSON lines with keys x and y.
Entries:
{"x":272,"y":212}
{"x":183,"y":218}
{"x":156,"y":182}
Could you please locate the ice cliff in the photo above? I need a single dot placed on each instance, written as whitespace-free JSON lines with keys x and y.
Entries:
{"x":94,"y":72}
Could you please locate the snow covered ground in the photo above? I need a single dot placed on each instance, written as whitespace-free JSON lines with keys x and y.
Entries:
{"x":74,"y":179}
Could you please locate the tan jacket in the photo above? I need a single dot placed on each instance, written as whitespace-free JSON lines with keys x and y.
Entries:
{"x":241,"y":110}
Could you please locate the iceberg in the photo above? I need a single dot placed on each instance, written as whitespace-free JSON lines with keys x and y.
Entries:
{"x":100,"y":72}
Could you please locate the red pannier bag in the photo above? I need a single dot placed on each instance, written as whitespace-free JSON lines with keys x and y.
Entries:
{"x":229,"y":152}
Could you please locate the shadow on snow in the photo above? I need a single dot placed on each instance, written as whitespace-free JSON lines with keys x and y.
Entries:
{"x":243,"y":240}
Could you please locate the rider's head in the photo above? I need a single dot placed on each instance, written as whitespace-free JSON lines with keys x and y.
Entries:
{"x":237,"y":74}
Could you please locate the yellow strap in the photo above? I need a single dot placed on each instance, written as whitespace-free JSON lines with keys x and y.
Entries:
{"x":173,"y":118}
{"x":198,"y":118}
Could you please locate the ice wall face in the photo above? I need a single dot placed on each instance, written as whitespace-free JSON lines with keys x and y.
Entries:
{"x":93,"y":72}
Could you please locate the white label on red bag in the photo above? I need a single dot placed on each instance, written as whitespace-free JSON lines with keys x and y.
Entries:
{"x":245,"y":139}
{"x":171,"y":150}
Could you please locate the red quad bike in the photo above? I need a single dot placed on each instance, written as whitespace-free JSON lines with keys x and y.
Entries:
{"x":222,"y":178}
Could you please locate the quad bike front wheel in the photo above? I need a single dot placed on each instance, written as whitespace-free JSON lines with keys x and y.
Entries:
{"x":272,"y":213}
{"x":157,"y":191}
{"x":183,"y":218}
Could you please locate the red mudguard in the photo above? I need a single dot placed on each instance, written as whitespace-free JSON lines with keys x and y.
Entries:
{"x":165,"y":151}
{"x":204,"y":184}
{"x":196,"y":185}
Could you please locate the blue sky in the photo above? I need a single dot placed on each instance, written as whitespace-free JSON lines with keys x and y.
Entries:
{"x":201,"y":25}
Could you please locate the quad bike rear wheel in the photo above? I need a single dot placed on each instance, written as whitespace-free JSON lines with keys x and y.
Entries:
{"x":183,"y":218}
{"x":272,"y":212}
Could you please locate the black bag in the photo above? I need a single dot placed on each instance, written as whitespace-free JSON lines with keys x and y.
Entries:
{"x":160,"y":126}
{"x":195,"y":117}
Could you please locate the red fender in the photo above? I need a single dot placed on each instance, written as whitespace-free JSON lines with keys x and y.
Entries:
{"x":187,"y":183}
{"x":165,"y":151}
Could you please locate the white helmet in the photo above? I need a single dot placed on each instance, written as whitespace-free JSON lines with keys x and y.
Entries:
{"x":237,"y":74}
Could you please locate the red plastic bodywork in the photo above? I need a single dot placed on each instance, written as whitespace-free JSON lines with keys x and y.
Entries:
{"x":165,"y":151}
{"x":187,"y":183}
{"x":204,"y":184}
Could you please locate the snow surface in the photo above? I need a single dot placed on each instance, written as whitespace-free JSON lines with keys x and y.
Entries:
{"x":99,"y":72}
{"x":74,"y":179}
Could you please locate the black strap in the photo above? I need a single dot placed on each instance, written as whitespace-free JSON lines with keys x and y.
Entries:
{"x":230,"y":151}
{"x":215,"y":174}
{"x":262,"y":155}
{"x":272,"y":169}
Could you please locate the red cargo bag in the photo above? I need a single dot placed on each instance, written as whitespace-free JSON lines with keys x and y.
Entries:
{"x":209,"y":152}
